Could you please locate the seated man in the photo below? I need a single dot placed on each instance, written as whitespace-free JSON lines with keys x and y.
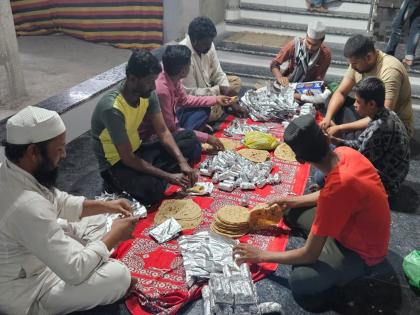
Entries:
{"x":176,"y":64}
{"x":385,"y":141}
{"x":307,"y":59}
{"x":347,"y":222}
{"x":125,"y":164}
{"x":47,"y":267}
{"x":206,"y":76}
{"x":366,"y":61}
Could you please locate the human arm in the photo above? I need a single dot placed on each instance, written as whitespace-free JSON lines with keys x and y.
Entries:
{"x":337,"y":101}
{"x":290,"y":202}
{"x":168,"y":142}
{"x":95,"y":207}
{"x":353,"y":126}
{"x":286,"y":53}
{"x":307,"y":254}
{"x":34,"y":225}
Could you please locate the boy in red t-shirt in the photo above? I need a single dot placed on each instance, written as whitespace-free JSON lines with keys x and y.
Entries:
{"x":347,"y":223}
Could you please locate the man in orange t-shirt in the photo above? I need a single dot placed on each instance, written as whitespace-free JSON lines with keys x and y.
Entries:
{"x":347,"y":223}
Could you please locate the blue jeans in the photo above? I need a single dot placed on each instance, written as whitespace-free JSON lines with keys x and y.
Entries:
{"x":193,"y":118}
{"x":404,"y":14}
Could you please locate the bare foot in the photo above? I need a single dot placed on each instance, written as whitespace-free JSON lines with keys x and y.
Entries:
{"x":320,"y":9}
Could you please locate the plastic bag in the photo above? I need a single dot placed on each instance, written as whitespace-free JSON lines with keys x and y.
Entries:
{"x":411,"y":267}
{"x":260,"y":140}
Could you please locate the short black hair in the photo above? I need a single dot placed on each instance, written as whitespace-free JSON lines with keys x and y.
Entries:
{"x":201,"y":27}
{"x":358,"y":46}
{"x":175,"y":58}
{"x":142,"y":63}
{"x":371,"y":89}
{"x":14,"y":152}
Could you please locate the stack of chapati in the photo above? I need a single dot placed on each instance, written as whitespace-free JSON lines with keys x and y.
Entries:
{"x":185,"y":211}
{"x":231,"y":221}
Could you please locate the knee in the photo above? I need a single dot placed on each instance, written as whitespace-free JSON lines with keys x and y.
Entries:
{"x":189,"y":145}
{"x":308,"y":290}
{"x":117,"y":281}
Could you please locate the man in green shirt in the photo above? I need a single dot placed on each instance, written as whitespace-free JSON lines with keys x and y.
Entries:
{"x":126,"y":164}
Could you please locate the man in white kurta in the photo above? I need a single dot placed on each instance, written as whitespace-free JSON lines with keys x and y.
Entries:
{"x":206,"y":76}
{"x":46,"y":266}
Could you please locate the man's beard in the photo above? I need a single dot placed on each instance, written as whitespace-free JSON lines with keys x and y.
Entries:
{"x":46,"y":173}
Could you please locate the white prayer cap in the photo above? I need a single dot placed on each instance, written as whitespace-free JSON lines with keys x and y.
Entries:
{"x":33,"y":125}
{"x":316,"y":30}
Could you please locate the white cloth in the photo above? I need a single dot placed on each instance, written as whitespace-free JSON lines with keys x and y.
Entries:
{"x":32,"y":125}
{"x":316,"y":99}
{"x":206,"y":74}
{"x":36,"y":254}
{"x":316,"y":30}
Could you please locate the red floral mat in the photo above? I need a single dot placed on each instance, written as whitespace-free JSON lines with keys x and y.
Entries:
{"x":161,"y":288}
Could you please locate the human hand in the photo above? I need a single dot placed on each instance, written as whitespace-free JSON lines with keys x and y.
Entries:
{"x":284,"y":203}
{"x":247,"y":253}
{"x":227,"y":90}
{"x":188,"y":171}
{"x":334,"y":130}
{"x":239,"y":111}
{"x":122,"y":229}
{"x":119,"y":206}
{"x":223,"y":100}
{"x":215,"y":143}
{"x":284,"y":81}
{"x":325,"y":123}
{"x":179,"y":179}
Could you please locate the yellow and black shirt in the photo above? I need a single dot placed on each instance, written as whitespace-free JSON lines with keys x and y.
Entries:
{"x":114,"y":121}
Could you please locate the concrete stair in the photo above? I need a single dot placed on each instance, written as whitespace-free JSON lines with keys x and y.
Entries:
{"x":262,"y":27}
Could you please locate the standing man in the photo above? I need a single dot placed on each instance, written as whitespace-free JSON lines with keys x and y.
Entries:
{"x":304,"y":59}
{"x":385,"y":141}
{"x":47,"y":267}
{"x":366,"y":61}
{"x":125,"y":164}
{"x":347,"y":223}
{"x":206,"y":76}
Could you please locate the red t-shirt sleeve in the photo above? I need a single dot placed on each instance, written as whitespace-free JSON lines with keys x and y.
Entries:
{"x":334,"y":208}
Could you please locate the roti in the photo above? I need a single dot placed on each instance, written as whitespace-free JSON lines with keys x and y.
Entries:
{"x":229,"y":144}
{"x":284,"y":152}
{"x":186,"y":212}
{"x":257,"y":156}
{"x":264,"y":216}
{"x":231,"y":221}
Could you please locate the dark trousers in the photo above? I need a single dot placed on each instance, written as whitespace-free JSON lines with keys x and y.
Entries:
{"x":146,"y":188}
{"x":347,"y":114}
{"x":312,"y":285}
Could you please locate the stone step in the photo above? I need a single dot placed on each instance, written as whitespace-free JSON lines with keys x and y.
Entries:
{"x":268,"y":45}
{"x":257,"y":68}
{"x":355,"y":21}
{"x":335,"y":35}
{"x":337,"y":6}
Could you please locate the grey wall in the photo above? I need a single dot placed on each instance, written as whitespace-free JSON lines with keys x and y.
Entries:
{"x":177,"y":14}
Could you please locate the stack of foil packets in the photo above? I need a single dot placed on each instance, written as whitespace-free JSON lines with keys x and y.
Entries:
{"x":265,"y":105}
{"x":238,"y":127}
{"x":205,"y":253}
{"x":230,"y":171}
{"x":231,"y":292}
{"x":138,"y":210}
